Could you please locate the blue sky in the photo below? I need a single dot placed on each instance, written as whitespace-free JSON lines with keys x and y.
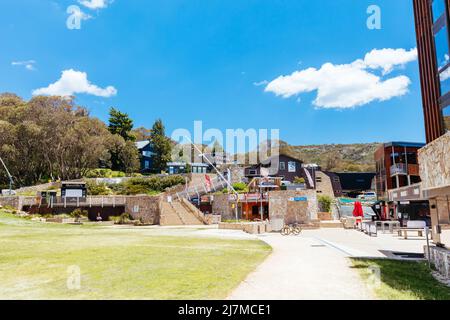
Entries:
{"x":187,"y":60}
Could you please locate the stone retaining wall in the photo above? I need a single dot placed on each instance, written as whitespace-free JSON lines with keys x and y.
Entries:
{"x":441,"y":259}
{"x":14,"y":202}
{"x":145,"y":208}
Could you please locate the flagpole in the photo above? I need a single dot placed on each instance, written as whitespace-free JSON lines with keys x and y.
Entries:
{"x":9,"y":176}
{"x":219,"y":174}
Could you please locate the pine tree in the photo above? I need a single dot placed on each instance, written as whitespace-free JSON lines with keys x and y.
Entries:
{"x":120,"y":123}
{"x":161,"y":147}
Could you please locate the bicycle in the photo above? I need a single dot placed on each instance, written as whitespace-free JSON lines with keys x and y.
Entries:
{"x":294,"y":229}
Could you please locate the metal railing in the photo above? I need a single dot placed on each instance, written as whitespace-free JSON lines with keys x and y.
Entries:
{"x":90,"y":201}
{"x":199,"y":190}
{"x":399,"y":169}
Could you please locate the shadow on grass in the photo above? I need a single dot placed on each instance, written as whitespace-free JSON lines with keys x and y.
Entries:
{"x":402,"y":280}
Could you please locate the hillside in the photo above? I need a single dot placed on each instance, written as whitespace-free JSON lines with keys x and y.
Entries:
{"x":335,"y":157}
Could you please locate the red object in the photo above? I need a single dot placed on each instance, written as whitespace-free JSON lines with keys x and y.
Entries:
{"x":208,"y":182}
{"x":358,"y":210}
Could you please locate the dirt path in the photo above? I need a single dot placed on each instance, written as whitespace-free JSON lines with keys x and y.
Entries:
{"x":302,"y":268}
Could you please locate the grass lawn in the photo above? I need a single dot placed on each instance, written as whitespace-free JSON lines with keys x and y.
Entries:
{"x":130,"y":263}
{"x":403,"y":280}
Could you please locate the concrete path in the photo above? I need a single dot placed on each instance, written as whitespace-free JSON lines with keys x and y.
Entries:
{"x":302,"y":269}
{"x":316,"y":265}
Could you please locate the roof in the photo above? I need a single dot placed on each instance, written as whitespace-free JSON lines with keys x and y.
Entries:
{"x":357,"y":181}
{"x":142,"y":144}
{"x":198,"y":164}
{"x":277,"y":158}
{"x":176,"y":164}
{"x":404,"y":144}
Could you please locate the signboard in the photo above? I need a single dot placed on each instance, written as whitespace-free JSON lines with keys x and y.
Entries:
{"x":298,"y":199}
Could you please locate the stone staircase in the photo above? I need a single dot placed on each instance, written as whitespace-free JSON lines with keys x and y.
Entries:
{"x":179,"y":213}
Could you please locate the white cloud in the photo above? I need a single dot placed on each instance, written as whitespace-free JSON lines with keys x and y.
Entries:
{"x":388,"y":59}
{"x":261,"y":83}
{"x":349,"y":85}
{"x":94,"y":4}
{"x":73,"y":82}
{"x":29,"y":64}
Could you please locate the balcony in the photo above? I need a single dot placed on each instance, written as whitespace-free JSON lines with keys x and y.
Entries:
{"x":399,"y":169}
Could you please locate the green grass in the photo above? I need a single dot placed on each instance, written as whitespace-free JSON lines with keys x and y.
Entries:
{"x":403,"y":280}
{"x":115,"y":263}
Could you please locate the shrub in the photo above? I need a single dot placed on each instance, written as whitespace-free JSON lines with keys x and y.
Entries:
{"x":78,"y":213}
{"x":100,"y":189}
{"x":325,"y":203}
{"x":299,"y":180}
{"x":124,"y":218}
{"x":240,"y":187}
{"x":104,"y":173}
{"x":152,"y":184}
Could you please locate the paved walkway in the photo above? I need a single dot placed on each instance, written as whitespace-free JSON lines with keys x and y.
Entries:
{"x":315,"y":266}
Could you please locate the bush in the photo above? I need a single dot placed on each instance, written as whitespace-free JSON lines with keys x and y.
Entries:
{"x":240,"y":187}
{"x":100,"y":189}
{"x":78,"y":213}
{"x":151,"y":185}
{"x":104,"y":173}
{"x":124,"y":218}
{"x":325,"y":203}
{"x":298,"y":180}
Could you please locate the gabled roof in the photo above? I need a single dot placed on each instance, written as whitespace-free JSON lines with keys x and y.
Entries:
{"x":142,"y":144}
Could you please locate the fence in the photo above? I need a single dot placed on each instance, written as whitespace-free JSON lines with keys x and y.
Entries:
{"x":91,"y":201}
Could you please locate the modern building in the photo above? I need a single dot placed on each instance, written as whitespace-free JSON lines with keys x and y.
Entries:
{"x":432,"y":29}
{"x":397,"y":166}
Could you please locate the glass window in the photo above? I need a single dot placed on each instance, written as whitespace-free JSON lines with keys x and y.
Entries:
{"x":441,"y":42}
{"x":444,"y":77}
{"x":446,"y":113}
{"x":282,"y":166}
{"x":438,"y":9}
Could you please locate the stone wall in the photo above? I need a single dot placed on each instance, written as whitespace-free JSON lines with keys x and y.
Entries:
{"x":441,"y":259}
{"x":434,"y":162}
{"x":146,"y":208}
{"x":324,"y":187}
{"x":42,"y":187}
{"x":14,"y":202}
{"x":281,"y":206}
{"x":222,"y":207}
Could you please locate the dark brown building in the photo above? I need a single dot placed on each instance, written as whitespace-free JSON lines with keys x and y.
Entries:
{"x":283,"y":166}
{"x":397,"y":166}
{"x":432,"y":28}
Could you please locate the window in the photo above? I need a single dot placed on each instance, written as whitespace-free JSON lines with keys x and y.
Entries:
{"x":292,"y":166}
{"x":147,"y":164}
{"x":438,"y":8}
{"x":318,"y":179}
{"x":444,"y":78}
{"x":282,"y":166}
{"x":446,"y":114}
{"x":252,"y":172}
{"x":441,"y":43}
{"x":146,"y":153}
